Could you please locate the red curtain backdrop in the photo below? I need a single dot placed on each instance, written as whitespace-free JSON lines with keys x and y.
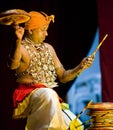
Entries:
{"x":105,"y":23}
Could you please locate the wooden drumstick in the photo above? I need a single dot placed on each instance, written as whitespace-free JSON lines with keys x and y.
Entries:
{"x":83,"y":110}
{"x":80,"y":114}
{"x":99,"y":45}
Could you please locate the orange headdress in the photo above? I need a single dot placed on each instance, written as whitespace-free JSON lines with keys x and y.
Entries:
{"x":37,"y":20}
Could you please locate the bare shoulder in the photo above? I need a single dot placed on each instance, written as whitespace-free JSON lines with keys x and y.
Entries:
{"x":50,"y":47}
{"x":22,"y":48}
{"x":24,"y":51}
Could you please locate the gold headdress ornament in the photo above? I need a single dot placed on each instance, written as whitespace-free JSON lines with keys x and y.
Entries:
{"x":14,"y":16}
{"x":38,"y":19}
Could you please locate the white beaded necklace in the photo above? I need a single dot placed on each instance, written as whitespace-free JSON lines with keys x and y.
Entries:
{"x":36,"y":46}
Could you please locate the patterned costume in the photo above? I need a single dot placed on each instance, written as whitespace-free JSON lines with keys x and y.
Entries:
{"x":38,"y":101}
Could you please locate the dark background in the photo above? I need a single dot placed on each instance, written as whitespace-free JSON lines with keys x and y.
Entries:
{"x":71,"y":35}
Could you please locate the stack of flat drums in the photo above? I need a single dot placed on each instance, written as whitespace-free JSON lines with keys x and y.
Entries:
{"x":101,"y":116}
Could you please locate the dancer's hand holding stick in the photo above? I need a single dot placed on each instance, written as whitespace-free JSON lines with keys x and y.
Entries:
{"x":87,"y":62}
